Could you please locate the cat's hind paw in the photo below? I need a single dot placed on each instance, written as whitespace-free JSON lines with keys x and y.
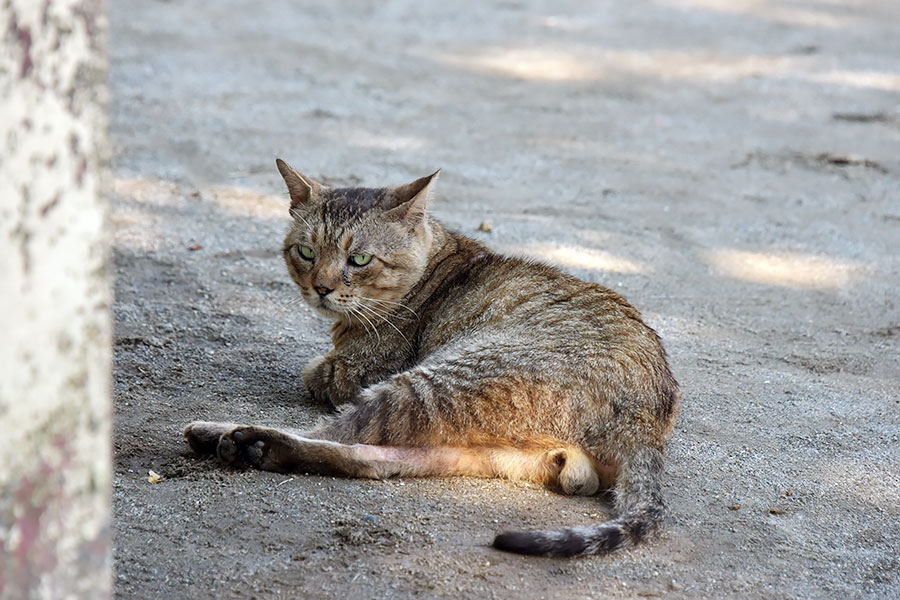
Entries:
{"x":203,"y":436}
{"x":259,"y":447}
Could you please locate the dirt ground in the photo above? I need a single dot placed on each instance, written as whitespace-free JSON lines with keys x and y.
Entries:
{"x":732,"y":167}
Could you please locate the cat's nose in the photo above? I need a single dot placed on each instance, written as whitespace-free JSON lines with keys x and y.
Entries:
{"x":323,"y":291}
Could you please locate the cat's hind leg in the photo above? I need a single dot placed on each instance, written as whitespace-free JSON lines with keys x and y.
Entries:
{"x":567,"y":468}
{"x":275,"y":450}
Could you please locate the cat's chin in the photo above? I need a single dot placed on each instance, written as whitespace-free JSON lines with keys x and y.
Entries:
{"x":323,"y":306}
{"x":328,"y":313}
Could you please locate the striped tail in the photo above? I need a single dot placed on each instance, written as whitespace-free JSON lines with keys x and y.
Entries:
{"x":641,"y":512}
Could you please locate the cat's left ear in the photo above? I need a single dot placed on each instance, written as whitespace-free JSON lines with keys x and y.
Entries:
{"x":300,"y":187}
{"x":408,"y":202}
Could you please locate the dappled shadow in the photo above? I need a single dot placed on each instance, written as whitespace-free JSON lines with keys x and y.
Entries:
{"x":824,"y":14}
{"x":730,"y":167}
{"x":796,"y":270}
{"x":579,"y":257}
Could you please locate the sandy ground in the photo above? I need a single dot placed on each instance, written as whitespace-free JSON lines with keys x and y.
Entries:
{"x":732,"y":167}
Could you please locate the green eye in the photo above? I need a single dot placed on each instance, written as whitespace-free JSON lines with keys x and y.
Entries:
{"x":307,"y":252}
{"x":361,"y":260}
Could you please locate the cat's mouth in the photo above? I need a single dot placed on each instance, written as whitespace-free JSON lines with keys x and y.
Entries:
{"x":325,"y":305}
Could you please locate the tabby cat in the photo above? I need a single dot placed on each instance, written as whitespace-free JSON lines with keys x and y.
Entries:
{"x":449,"y":359}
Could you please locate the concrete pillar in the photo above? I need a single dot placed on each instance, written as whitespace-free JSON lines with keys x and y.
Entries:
{"x":55,"y":328}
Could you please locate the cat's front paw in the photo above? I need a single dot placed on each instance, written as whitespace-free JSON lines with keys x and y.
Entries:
{"x":317,"y":375}
{"x":329,"y":381}
{"x":260,"y":447}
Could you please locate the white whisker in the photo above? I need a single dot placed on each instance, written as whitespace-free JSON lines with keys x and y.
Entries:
{"x":293,"y":301}
{"x":361,"y":317}
{"x":371,"y":310}
{"x":386,"y":320}
{"x":352,"y":313}
{"x":378,"y":301}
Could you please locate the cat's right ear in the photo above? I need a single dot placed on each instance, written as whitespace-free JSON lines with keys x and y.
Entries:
{"x":301,"y":188}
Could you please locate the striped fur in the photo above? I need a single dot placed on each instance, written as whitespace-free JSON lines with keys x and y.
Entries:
{"x":449,"y":359}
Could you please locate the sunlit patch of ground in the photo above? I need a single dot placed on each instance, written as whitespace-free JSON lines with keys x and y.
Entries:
{"x":584,"y":258}
{"x":786,"y":269}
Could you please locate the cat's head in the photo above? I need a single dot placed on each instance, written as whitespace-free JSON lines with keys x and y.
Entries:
{"x":356,"y":252}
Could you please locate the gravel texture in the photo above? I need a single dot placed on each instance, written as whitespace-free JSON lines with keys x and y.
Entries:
{"x":732,"y":167}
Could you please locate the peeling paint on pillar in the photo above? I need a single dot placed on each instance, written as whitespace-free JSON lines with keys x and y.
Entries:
{"x":55,"y":329}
